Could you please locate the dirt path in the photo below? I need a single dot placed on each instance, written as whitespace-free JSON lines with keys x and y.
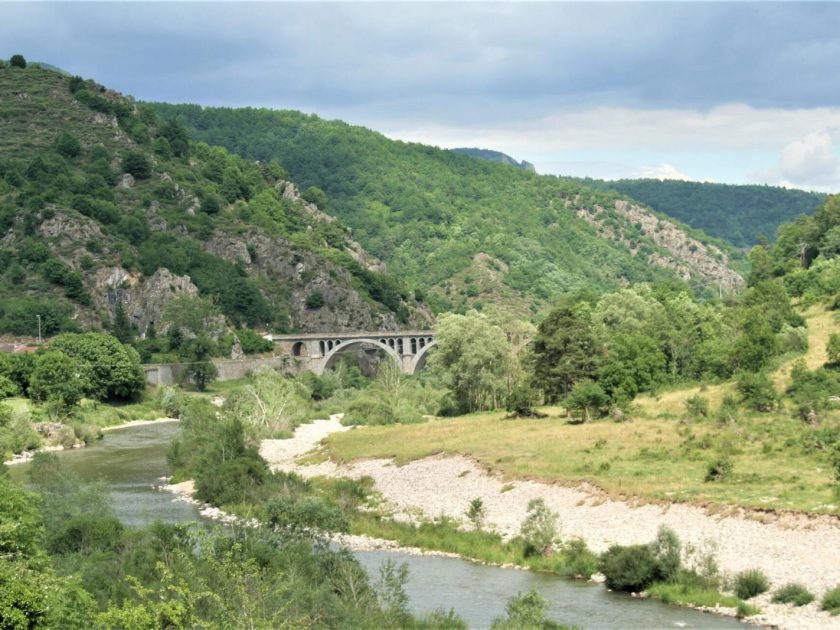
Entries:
{"x":791,"y":548}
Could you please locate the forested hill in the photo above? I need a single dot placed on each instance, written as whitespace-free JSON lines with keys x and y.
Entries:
{"x":103,"y":204}
{"x":472,"y":232}
{"x":738,"y":214}
{"x":494,"y":156}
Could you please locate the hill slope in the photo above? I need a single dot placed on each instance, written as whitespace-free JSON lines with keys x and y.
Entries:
{"x":437,"y":218}
{"x":494,"y":156}
{"x":738,"y":214}
{"x":101,"y":203}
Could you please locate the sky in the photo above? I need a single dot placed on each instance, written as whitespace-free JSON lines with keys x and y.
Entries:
{"x":728,"y":92}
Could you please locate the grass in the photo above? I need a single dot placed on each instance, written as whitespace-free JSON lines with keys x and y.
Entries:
{"x":685,"y":595}
{"x":657,"y":456}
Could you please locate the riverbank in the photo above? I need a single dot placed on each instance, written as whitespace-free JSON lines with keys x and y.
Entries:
{"x":26,"y":456}
{"x":791,"y":548}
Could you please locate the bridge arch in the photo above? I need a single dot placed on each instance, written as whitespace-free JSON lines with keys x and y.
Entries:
{"x":341,"y":345}
{"x":419,"y":360}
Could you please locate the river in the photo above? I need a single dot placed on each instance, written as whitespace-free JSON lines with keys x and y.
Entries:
{"x":131,"y":462}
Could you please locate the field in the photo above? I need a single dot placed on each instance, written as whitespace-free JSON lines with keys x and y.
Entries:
{"x":659,"y":454}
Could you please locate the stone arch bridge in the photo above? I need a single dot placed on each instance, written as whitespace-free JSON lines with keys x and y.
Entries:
{"x":319,"y":351}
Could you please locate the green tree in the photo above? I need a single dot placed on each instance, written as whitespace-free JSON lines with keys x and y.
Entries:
{"x":121,"y":327}
{"x":57,"y":379}
{"x":472,"y":357}
{"x":564,"y":351}
{"x":17,"y":61}
{"x":68,"y":145}
{"x":112,"y":369}
{"x":832,"y":349}
{"x":587,"y":398}
{"x":633,"y":363}
{"x":199,"y":367}
{"x":539,"y":529}
{"x":137,"y":164}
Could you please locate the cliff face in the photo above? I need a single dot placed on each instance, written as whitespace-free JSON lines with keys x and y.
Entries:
{"x":102,"y":203}
{"x":676,"y":250}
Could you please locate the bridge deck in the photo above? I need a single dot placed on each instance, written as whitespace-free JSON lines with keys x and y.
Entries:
{"x":379,"y":334}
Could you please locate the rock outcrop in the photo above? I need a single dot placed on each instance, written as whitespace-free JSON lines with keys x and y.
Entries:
{"x":685,"y":255}
{"x":143,"y":299}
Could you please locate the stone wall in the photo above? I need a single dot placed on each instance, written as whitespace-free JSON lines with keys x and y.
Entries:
{"x":169,"y":373}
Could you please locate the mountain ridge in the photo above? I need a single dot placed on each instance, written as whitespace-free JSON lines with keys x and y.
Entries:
{"x":102,"y":204}
{"x":427,"y":212}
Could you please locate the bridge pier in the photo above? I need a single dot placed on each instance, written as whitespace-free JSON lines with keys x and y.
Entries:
{"x":317,"y":352}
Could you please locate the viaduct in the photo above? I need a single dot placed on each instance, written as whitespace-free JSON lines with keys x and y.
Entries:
{"x":318,"y":352}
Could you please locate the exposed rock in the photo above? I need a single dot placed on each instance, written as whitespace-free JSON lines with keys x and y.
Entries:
{"x":126,"y":181}
{"x":279,"y":261}
{"x":144,"y":301}
{"x":685,"y":255}
{"x":236,"y":352}
{"x":70,"y":228}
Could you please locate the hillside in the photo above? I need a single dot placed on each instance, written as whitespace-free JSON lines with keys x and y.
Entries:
{"x":737,"y":214}
{"x":103,"y":204}
{"x":436,"y":217}
{"x":494,"y":156}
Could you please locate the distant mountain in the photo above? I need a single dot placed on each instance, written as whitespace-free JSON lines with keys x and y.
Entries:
{"x":738,"y":214}
{"x":102,"y":203}
{"x":466,"y":232}
{"x":494,"y":156}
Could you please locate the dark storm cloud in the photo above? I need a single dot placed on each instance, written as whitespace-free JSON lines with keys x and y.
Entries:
{"x":450,"y":62}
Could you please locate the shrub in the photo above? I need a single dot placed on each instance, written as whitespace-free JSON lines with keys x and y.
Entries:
{"x":8,"y":387}
{"x":697,"y":407}
{"x":67,"y":145}
{"x":833,"y":349}
{"x":667,"y":550}
{"x":751,"y":583}
{"x":17,"y":61}
{"x":629,"y":568}
{"x":524,"y":611}
{"x":757,"y":391}
{"x":719,"y":469}
{"x":793,"y":593}
{"x":831,"y":601}
{"x":369,"y":410}
{"x":477,"y":513}
{"x":137,"y":165}
{"x":539,"y":529}
{"x":314,"y":300}
{"x":578,"y":560}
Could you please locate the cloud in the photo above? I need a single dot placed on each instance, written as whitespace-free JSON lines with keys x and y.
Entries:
{"x":662,"y":171}
{"x":811,"y":160}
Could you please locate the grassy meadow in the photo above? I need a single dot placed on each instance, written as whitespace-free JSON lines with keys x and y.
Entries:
{"x":660,"y":453}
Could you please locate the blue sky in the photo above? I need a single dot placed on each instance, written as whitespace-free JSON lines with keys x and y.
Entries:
{"x":731,"y":92}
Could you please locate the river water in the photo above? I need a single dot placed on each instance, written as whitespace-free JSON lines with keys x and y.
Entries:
{"x":131,"y":462}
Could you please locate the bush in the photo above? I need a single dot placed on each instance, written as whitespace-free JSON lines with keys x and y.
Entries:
{"x":831,"y":601}
{"x":697,"y":406}
{"x":539,"y":529}
{"x":525,"y":611}
{"x":314,"y":300}
{"x":793,"y":593}
{"x":67,"y":145}
{"x":137,"y":165}
{"x":367,"y":410}
{"x":757,"y":391}
{"x":578,"y":560}
{"x":629,"y":568}
{"x":750,"y":583}
{"x":17,"y":61}
{"x":719,"y":469}
{"x":252,"y":343}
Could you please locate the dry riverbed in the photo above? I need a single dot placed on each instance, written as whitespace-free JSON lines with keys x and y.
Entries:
{"x":788,"y":548}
